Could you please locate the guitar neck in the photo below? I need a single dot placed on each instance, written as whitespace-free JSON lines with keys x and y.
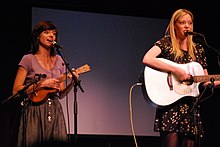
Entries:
{"x":80,"y":70}
{"x":206,"y":78}
{"x":64,"y":77}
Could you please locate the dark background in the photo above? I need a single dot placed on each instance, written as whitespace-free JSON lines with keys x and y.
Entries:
{"x":15,"y":36}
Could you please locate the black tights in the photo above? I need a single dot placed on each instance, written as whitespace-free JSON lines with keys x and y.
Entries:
{"x":176,"y":140}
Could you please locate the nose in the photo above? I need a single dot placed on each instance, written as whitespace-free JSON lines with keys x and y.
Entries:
{"x":52,"y":35}
{"x":186,"y":24}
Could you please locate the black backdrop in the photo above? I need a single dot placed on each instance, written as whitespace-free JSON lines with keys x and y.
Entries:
{"x":16,"y":27}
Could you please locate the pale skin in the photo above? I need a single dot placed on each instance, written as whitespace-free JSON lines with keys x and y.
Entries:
{"x":47,"y":62}
{"x":150,"y":58}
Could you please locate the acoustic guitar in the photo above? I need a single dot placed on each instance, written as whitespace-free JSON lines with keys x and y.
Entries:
{"x":163,"y":88}
{"x":41,"y":95}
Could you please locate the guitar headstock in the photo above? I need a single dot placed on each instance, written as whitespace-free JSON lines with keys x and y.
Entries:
{"x":82,"y":69}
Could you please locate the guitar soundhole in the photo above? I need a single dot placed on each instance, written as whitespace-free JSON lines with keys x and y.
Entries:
{"x":47,"y":88}
{"x":187,"y":83}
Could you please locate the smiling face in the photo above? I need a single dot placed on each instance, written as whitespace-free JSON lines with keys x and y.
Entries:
{"x":47,"y":37}
{"x":43,"y":34}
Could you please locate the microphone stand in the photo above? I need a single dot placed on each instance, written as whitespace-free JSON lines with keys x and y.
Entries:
{"x":22,"y":93}
{"x":76,"y":83}
{"x":195,"y":110}
{"x":201,"y":39}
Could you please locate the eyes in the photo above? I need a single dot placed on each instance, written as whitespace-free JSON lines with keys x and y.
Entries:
{"x":53,"y":32}
{"x":185,"y":22}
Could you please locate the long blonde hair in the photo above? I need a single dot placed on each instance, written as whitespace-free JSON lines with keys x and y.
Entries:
{"x":171,"y":31}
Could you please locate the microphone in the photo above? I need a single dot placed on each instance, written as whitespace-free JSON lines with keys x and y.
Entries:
{"x":40,"y":75}
{"x":22,"y":92}
{"x":193,"y":33}
{"x":54,"y":44}
{"x":198,"y":38}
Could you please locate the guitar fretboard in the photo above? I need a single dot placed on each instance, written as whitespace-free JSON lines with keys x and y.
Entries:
{"x":206,"y":78}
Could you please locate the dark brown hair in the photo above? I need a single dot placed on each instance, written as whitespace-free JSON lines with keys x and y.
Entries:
{"x":37,"y":30}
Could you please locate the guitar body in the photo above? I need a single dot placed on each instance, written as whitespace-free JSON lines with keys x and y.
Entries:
{"x":41,"y":95}
{"x":163,"y":88}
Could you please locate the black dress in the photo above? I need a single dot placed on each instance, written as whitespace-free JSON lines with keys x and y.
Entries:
{"x":182,"y":116}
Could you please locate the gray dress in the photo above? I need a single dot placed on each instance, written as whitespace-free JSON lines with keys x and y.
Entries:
{"x":41,"y":122}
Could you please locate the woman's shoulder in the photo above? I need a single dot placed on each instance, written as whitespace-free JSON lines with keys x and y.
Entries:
{"x":28,"y":56}
{"x":26,"y":60}
{"x":165,"y":38}
{"x":59,"y":58}
{"x":163,"y":41}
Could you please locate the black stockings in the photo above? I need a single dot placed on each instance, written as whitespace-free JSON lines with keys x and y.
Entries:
{"x":176,"y":140}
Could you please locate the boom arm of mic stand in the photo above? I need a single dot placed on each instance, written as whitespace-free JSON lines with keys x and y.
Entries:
{"x":21,"y":92}
{"x":76,"y":81}
{"x":201,"y":39}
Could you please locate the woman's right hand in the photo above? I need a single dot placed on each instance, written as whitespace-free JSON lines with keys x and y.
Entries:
{"x":181,"y":74}
{"x":49,"y":83}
